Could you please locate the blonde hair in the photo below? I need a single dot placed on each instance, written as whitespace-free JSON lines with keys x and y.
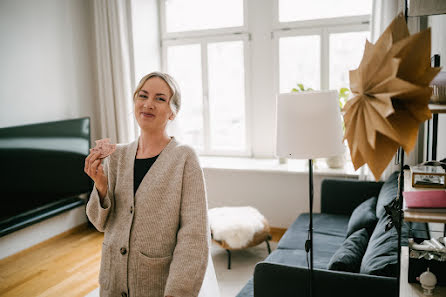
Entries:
{"x":175,"y":100}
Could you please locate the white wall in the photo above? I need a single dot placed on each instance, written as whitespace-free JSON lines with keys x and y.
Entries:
{"x":279,"y":196}
{"x":46,"y":61}
{"x":46,"y":73}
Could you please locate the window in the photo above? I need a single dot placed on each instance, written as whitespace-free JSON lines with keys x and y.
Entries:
{"x":297,"y":63}
{"x":232,"y":57}
{"x":300,"y":10}
{"x":319,"y":41}
{"x":346,"y":51}
{"x":188,"y":73}
{"x":205,"y":51}
{"x":192,"y":15}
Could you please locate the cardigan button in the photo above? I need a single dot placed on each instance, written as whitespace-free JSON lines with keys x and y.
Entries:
{"x":131,"y":209}
{"x":124,"y":294}
{"x":123,"y":250}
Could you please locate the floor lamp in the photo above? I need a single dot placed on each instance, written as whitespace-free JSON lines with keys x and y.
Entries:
{"x":308,"y":126}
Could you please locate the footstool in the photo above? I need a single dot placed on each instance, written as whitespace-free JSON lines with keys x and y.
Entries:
{"x":236,"y":228}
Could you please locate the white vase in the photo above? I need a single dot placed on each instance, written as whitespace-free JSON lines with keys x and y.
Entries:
{"x":283,"y":160}
{"x":336,"y":162}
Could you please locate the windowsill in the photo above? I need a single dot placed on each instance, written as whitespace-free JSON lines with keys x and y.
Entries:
{"x":272,"y":165}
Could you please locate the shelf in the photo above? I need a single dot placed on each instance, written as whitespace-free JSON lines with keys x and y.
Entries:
{"x":415,"y":215}
{"x":424,"y":216}
{"x":437,"y":108}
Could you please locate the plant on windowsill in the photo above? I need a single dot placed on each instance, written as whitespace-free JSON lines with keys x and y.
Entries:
{"x":339,"y":161}
{"x":334,"y":162}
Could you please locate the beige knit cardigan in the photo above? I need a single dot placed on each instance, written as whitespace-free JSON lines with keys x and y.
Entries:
{"x":156,"y":242}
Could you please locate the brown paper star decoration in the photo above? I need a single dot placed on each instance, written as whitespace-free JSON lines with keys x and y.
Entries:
{"x":391,"y":95}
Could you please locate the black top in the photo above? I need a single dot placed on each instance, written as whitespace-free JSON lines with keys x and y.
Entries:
{"x":141,"y":167}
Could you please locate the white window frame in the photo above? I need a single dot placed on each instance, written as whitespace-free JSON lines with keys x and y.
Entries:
{"x":200,"y":33}
{"x":324,"y":34}
{"x":204,"y":37}
{"x":323,"y":28}
{"x":335,"y":21}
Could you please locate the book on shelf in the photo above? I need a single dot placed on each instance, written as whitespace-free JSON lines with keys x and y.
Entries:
{"x":425,"y":199}
{"x":432,"y":210}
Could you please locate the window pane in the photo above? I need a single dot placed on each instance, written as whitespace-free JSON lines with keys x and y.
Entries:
{"x":299,"y":62}
{"x":187,"y":15}
{"x":184,"y":64}
{"x":226,"y":95}
{"x":346,"y":50}
{"x":299,"y":10}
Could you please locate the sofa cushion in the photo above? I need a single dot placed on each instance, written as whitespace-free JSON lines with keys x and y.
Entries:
{"x":364,"y":216}
{"x":323,"y":244}
{"x":387,"y":194}
{"x":348,"y":257}
{"x":380,"y":257}
{"x":324,"y":224}
{"x":299,"y":257}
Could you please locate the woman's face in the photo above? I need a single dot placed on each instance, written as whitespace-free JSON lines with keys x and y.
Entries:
{"x":152,"y":110}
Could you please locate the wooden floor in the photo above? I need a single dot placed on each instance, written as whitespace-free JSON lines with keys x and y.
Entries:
{"x":277,"y":233}
{"x":65,"y":265}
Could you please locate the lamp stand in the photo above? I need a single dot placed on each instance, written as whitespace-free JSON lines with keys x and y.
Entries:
{"x":309,"y":242}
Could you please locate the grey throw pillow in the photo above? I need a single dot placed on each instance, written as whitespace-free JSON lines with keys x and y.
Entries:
{"x":381,"y":255}
{"x":387,"y":194}
{"x":363,"y":217}
{"x":349,"y":256}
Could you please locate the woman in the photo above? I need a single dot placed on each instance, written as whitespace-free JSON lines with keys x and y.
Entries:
{"x":156,"y":234}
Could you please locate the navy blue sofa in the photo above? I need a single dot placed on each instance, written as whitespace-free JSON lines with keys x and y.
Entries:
{"x":285,"y":271}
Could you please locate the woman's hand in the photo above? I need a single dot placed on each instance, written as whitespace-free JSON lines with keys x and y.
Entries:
{"x":94,"y":169}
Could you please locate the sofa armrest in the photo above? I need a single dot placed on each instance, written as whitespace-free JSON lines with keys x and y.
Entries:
{"x":272,"y":279}
{"x":341,"y":196}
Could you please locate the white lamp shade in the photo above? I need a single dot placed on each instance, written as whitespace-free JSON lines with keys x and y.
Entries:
{"x":308,"y":125}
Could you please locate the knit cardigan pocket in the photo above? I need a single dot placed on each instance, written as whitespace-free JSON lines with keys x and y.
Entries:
{"x":152,"y":275}
{"x":105,"y":273}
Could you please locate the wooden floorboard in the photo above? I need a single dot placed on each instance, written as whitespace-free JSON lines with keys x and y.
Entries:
{"x":277,"y":233}
{"x":65,"y":265}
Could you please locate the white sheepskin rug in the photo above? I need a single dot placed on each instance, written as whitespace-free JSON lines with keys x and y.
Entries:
{"x":235,"y":225}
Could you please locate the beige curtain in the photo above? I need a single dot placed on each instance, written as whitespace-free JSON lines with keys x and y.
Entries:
{"x":115,"y":75}
{"x":383,"y":12}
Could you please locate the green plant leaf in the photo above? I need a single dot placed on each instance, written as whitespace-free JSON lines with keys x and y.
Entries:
{"x":343,"y":96}
{"x":344,"y":91}
{"x":301,"y":87}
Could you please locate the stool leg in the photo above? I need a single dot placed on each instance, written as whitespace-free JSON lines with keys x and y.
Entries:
{"x":229,"y":258}
{"x":269,"y":248}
